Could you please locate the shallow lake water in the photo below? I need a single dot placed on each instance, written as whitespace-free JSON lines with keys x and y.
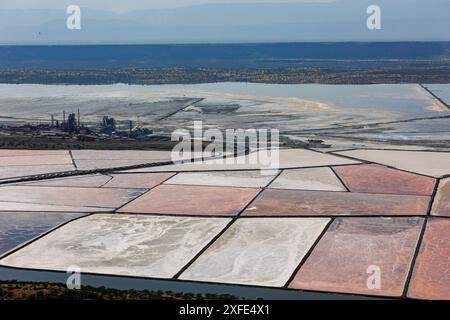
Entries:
{"x":440,"y":90}
{"x":409,"y":98}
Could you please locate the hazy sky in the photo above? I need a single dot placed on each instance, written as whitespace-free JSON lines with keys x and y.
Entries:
{"x":125,"y":5}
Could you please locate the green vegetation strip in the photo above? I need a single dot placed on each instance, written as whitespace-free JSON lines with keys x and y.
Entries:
{"x":403,"y":72}
{"x":13,"y":290}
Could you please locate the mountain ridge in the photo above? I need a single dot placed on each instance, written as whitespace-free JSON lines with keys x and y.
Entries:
{"x":343,"y":20}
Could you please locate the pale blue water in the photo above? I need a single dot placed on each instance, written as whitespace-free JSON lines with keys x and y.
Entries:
{"x":19,"y":227}
{"x":405,"y":98}
{"x":440,"y":90}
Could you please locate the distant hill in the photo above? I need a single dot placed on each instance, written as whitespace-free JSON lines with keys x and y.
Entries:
{"x":342,"y":20}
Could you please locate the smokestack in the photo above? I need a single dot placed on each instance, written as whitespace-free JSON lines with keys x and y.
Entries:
{"x":79,"y":122}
